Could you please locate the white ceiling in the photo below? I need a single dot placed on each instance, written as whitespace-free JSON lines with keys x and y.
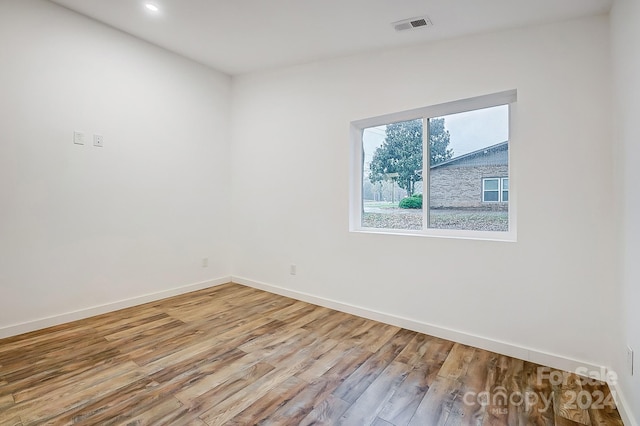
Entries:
{"x":239,"y":36}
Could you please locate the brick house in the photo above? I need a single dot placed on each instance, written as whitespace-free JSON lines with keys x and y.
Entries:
{"x":476,"y":180}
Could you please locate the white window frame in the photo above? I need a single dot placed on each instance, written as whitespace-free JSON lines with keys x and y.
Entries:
{"x":508,"y":97}
{"x":500,"y":189}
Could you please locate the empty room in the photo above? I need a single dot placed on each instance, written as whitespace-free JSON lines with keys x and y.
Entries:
{"x":361,"y":212}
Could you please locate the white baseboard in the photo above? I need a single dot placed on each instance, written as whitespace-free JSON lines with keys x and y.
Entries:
{"x":624,"y":408}
{"x":504,"y":348}
{"x":25,"y":327}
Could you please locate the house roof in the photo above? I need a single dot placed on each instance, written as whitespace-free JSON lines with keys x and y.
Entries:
{"x":494,"y":155}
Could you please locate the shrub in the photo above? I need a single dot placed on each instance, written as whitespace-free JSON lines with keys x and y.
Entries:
{"x":413,"y":202}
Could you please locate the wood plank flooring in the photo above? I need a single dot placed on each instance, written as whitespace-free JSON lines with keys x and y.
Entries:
{"x":238,"y":356}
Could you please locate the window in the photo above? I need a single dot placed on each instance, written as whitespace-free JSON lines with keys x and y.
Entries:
{"x":495,"y":190}
{"x":505,"y":190}
{"x":441,"y":170}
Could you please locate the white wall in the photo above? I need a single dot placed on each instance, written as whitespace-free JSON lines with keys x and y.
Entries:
{"x":82,"y":226}
{"x":625,"y":25}
{"x":551,"y":291}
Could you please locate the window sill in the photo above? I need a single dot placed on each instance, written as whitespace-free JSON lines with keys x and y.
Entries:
{"x":508,"y":237}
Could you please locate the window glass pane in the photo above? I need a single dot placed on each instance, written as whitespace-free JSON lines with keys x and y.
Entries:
{"x":491,"y":196}
{"x":491,"y":184}
{"x":505,"y":183}
{"x":392,"y":176}
{"x":465,"y":149}
{"x":505,"y":196}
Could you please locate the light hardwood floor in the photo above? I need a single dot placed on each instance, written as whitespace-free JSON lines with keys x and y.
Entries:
{"x":235,"y":355}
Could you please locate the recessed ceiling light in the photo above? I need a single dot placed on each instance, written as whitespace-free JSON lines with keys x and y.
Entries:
{"x":152,"y":7}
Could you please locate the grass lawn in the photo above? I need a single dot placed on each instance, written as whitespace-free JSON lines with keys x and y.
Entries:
{"x":397,"y":218}
{"x":380,"y":205}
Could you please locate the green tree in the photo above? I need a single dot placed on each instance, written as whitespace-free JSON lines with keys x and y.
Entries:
{"x":438,"y":141}
{"x":399,"y":158}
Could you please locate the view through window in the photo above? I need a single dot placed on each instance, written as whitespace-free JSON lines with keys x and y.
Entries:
{"x":456,"y":176}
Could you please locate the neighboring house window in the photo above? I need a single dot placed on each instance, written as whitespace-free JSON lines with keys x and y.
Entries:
{"x":505,"y":190}
{"x":495,"y":190}
{"x":418,"y":172}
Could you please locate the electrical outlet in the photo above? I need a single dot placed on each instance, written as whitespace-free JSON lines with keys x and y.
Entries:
{"x":205,"y":262}
{"x":630,"y":360}
{"x":293,"y":269}
{"x":98,"y":140}
{"x":78,"y":137}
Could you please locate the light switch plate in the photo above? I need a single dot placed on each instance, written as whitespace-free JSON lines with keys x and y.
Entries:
{"x":78,"y":137}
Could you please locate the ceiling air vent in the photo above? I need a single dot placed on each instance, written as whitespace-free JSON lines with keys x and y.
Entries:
{"x":412,"y":24}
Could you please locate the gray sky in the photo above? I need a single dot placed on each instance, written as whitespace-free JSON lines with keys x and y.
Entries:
{"x":469,"y":131}
{"x":477,"y":129}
